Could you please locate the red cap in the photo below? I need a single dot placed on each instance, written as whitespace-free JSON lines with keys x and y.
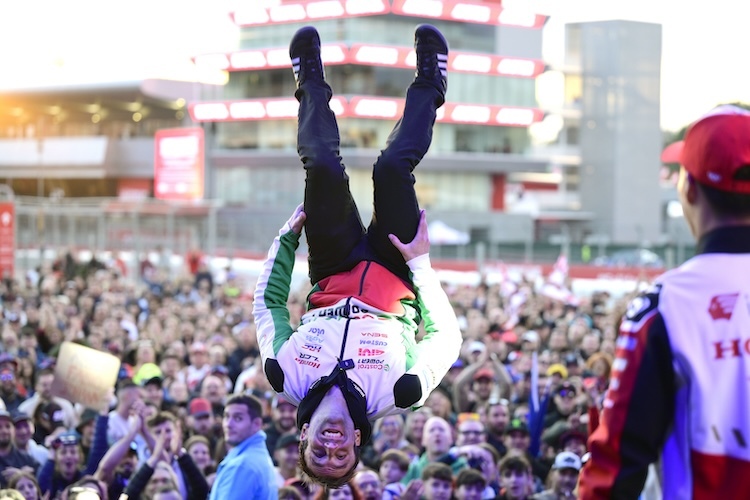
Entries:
{"x":484,"y":373}
{"x":715,"y":147}
{"x":199,"y":406}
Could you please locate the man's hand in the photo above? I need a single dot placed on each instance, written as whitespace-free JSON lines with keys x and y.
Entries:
{"x":420,"y":245}
{"x":297,"y":220}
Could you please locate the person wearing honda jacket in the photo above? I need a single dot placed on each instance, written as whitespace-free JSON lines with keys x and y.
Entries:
{"x":680,"y":389}
{"x":354,"y":357}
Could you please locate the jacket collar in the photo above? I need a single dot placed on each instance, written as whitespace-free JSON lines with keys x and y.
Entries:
{"x":727,"y":239}
{"x":353,"y":394}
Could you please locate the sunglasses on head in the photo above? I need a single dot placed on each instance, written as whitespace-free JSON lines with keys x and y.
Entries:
{"x":567,"y":393}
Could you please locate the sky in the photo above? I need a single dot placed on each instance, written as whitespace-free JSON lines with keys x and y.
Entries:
{"x":45,"y":43}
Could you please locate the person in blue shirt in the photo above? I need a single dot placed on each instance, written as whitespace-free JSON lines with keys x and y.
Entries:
{"x":247,"y":470}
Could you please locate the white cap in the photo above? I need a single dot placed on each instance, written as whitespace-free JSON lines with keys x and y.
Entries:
{"x":477,"y":346}
{"x":567,"y":460}
{"x":530,"y":336}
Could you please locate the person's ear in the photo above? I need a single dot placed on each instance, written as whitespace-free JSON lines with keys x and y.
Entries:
{"x":303,"y":431}
{"x":691,"y":189}
{"x":357,"y":437}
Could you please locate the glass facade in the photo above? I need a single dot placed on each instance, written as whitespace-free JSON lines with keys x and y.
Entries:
{"x":382,"y":30}
{"x":385,"y":82}
{"x":361,"y":133}
{"x":263,"y":187}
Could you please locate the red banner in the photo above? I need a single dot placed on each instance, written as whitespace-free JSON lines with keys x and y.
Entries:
{"x":178,"y":164}
{"x":7,"y":239}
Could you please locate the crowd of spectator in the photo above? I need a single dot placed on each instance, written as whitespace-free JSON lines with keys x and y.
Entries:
{"x":509,"y":420}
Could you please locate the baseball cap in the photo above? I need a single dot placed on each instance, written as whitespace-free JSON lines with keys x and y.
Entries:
{"x":287,"y":440}
{"x":54,"y":414}
{"x":571,"y":434}
{"x":20,"y":416}
{"x":280,"y":399}
{"x":557,"y":368}
{"x":6,"y":414}
{"x":484,"y":373}
{"x":715,"y":147}
{"x":7,"y":357}
{"x":477,"y":346}
{"x":147,"y":372}
{"x":567,"y":460}
{"x":87,"y":417}
{"x":199,"y":407}
{"x":517,"y":425}
{"x":530,"y":336}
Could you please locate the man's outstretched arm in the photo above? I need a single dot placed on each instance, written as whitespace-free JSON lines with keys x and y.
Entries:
{"x":441,"y":345}
{"x":272,"y":289}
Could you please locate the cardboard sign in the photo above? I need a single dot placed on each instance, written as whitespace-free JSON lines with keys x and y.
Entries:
{"x":84,"y":375}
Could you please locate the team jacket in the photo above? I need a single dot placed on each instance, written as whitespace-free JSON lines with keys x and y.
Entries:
{"x":680,"y":387}
{"x":367,"y":318}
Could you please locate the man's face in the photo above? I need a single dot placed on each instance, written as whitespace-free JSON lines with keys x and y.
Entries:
{"x":565,"y":481}
{"x":7,"y":433}
{"x":565,"y":400}
{"x":238,"y":424}
{"x":437,"y":489}
{"x":575,"y":445}
{"x":154,"y":394}
{"x":87,"y":433}
{"x":213,"y":389}
{"x":127,"y":465}
{"x":287,"y":457}
{"x":202,"y":423}
{"x":129,"y":396}
{"x":24,"y":431}
{"x":369,"y":484}
{"x":44,"y":386}
{"x":437,"y":437}
{"x":498,"y":417}
{"x":470,"y":492}
{"x":470,"y":432}
{"x":331,"y":440}
{"x":515,"y":482}
{"x":285,"y":417}
{"x":7,"y":381}
{"x":168,"y":429}
{"x":391,"y":472}
{"x":517,"y":440}
{"x":483,"y":388}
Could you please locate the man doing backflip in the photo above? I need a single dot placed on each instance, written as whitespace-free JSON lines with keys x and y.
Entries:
{"x":354,"y":358}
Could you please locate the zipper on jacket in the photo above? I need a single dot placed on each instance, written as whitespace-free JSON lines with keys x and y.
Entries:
{"x":347,"y":309}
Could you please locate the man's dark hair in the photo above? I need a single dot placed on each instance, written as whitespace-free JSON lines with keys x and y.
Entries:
{"x":328,"y":482}
{"x":41,"y":373}
{"x":514,"y":462}
{"x":728,"y":204}
{"x":438,"y":471}
{"x":399,"y":457}
{"x":253,"y":404}
{"x":160,"y":418}
{"x":470,"y":477}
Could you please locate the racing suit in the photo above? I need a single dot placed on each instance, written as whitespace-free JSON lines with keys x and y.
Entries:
{"x":365,"y":321}
{"x":679,"y":391}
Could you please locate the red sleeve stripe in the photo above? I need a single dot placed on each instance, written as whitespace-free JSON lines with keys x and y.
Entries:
{"x":601,"y":471}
